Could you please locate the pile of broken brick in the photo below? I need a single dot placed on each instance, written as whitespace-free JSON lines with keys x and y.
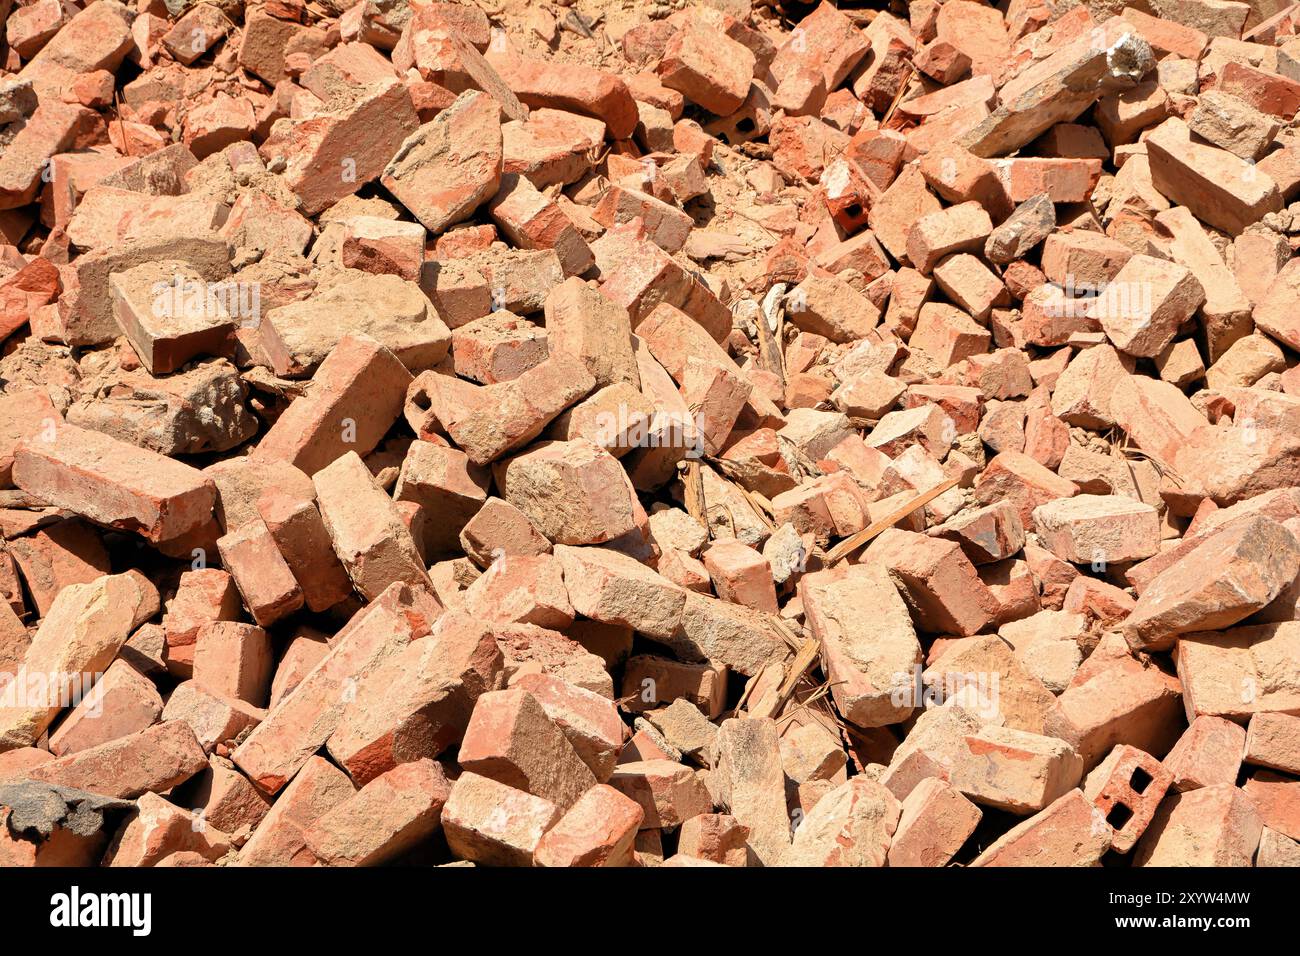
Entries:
{"x":628,"y":433}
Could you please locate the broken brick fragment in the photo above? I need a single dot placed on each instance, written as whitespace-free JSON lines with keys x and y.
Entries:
{"x":439,"y":437}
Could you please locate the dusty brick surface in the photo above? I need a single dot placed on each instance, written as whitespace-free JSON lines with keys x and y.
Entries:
{"x":747,"y":434}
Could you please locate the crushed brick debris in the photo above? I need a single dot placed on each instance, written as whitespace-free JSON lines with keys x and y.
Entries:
{"x":727,"y":435}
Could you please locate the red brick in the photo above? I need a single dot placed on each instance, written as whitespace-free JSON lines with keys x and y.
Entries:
{"x":1218,"y":187}
{"x":153,"y":760}
{"x":204,"y":595}
{"x":279,"y":839}
{"x":121,"y":703}
{"x":741,"y":575}
{"x":1272,"y":741}
{"x":298,"y":534}
{"x":1064,"y":834}
{"x":234,"y":660}
{"x":649,"y":681}
{"x":493,"y":824}
{"x":863,"y":651}
{"x":934,"y":822}
{"x":77,"y":639}
{"x":1223,"y":673}
{"x":708,"y":68}
{"x":668,"y":793}
{"x":53,"y":558}
{"x":417,"y":701}
{"x":215,"y":720}
{"x":391,"y":814}
{"x":161,"y":829}
{"x":53,"y":128}
{"x":368,"y":536}
{"x":716,"y":837}
{"x":1127,"y":787}
{"x":301,"y":723}
{"x":1212,"y":826}
{"x":568,"y":86}
{"x":116,"y":484}
{"x":850,"y":826}
{"x":511,"y":739}
{"x":938,"y":579}
{"x":1225,"y":579}
{"x":266,"y":583}
{"x":532,"y":221}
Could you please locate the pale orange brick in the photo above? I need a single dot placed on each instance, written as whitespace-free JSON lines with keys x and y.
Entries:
{"x":1211,"y":826}
{"x":598,"y":830}
{"x":391,"y":814}
{"x":267,"y":585}
{"x":234,"y":660}
{"x":494,"y":824}
{"x":934,"y":823}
